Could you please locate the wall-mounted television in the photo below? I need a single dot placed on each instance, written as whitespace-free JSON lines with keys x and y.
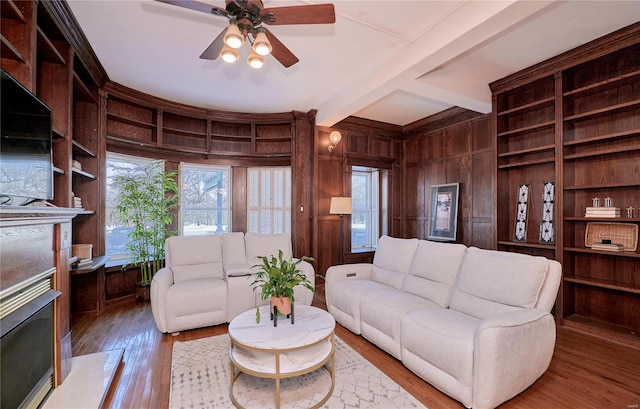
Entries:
{"x":26,"y":168}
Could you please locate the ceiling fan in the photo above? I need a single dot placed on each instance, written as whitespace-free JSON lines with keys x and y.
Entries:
{"x":246,"y":19}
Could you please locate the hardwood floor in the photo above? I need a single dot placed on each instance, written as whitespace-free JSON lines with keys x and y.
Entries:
{"x":586,"y":372}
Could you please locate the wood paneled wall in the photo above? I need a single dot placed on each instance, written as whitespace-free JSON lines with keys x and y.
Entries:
{"x":455,"y":146}
{"x":364,"y":143}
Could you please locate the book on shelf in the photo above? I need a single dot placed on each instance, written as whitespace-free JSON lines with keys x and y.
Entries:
{"x":606,"y":212}
{"x":607,"y":247}
{"x":83,"y":262}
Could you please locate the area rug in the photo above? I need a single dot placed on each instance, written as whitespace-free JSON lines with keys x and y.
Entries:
{"x":200,"y":378}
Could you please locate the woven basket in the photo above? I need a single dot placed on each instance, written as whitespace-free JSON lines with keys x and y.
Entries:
{"x":619,"y":233}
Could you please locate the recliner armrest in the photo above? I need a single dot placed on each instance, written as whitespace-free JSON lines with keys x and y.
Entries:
{"x":511,"y":351}
{"x":358,"y":271}
{"x":160,"y":285}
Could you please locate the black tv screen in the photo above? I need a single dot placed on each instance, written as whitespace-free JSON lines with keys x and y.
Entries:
{"x":26,"y":169}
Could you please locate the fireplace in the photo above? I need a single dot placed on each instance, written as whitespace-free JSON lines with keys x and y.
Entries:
{"x":27,"y":342}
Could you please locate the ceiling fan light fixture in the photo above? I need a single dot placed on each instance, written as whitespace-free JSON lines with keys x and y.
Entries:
{"x":261,"y":45}
{"x":255,"y":60}
{"x":229,"y":55}
{"x":233,"y":38}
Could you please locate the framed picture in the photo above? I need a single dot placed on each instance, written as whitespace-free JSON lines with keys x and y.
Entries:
{"x":444,"y":212}
{"x":547,"y":231}
{"x":522,"y":213}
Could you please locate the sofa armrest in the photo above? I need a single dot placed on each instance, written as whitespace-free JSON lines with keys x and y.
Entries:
{"x":160,"y":285}
{"x":240,"y":294}
{"x":358,"y":271}
{"x":511,"y":351}
{"x":302,"y":294}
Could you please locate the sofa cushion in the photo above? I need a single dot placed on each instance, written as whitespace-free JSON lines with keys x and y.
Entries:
{"x":260,"y":245}
{"x":194,"y":257}
{"x":233,"y":251}
{"x":381,"y":313}
{"x":392,"y":260}
{"x":344,"y":297}
{"x":194,"y":297}
{"x":434,"y":270}
{"x":491,"y":280}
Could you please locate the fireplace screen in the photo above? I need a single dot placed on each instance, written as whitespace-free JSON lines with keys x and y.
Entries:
{"x":26,"y":359}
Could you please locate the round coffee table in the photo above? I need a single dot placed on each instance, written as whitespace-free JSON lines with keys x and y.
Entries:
{"x":285,"y":351}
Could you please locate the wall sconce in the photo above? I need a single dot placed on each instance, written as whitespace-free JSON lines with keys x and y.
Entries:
{"x":334,"y":138}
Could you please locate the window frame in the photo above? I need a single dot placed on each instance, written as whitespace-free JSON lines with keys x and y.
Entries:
{"x":375,"y":179}
{"x":114,"y":156}
{"x":285,"y":227}
{"x":182,"y":208}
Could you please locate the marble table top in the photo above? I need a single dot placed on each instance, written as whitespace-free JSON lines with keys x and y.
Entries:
{"x":311,"y":325}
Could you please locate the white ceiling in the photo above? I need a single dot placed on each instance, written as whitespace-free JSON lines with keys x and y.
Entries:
{"x":390,"y":61}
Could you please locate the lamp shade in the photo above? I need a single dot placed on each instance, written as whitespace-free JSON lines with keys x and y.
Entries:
{"x":229,"y":55}
{"x":340,"y":205}
{"x":335,"y":137}
{"x":233,"y":38}
{"x":262,"y":46}
{"x":255,"y":60}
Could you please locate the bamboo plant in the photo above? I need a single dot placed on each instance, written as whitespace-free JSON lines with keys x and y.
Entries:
{"x":146,"y":195}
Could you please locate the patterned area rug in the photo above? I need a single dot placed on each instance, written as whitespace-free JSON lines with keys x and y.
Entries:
{"x":200,"y":378}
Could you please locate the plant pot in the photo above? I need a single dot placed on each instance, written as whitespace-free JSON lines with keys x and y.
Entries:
{"x":143,"y":292}
{"x":282,"y":303}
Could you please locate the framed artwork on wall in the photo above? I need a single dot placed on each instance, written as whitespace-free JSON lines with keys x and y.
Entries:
{"x":522,"y":212}
{"x":547,"y":230}
{"x":444,"y":212}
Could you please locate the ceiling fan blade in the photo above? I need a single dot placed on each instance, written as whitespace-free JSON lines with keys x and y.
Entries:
{"x":212,"y":52}
{"x":307,"y":14}
{"x":280,"y":52}
{"x":197,"y":6}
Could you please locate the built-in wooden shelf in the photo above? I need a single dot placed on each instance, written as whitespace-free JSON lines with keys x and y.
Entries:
{"x":81,"y":172}
{"x":185,"y":132}
{"x":526,"y":163}
{"x":600,"y":84}
{"x":11,"y":11}
{"x":79,"y":149}
{"x":47,"y":51}
{"x":602,"y":186}
{"x":535,"y":105}
{"x":529,"y":128}
{"x":9,"y":50}
{"x":81,"y":91}
{"x":609,"y":331}
{"x":586,"y":250}
{"x":131,"y":121}
{"x":604,"y":137}
{"x":527,"y":244}
{"x":96,"y":263}
{"x":603,"y":111}
{"x":536,"y":149}
{"x":609,"y":284}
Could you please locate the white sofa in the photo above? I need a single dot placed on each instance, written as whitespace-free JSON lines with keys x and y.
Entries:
{"x":207,"y":279}
{"x":474,"y":323}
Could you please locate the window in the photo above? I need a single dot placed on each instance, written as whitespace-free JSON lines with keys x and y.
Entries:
{"x":117,"y":235}
{"x":365,"y":217}
{"x":205,"y":199}
{"x":269,"y":200}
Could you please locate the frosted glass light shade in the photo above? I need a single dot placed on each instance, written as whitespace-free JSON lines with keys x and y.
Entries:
{"x":229,"y":55}
{"x":261,"y":45}
{"x":335,"y":137}
{"x":233,"y":38}
{"x":255,"y":60}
